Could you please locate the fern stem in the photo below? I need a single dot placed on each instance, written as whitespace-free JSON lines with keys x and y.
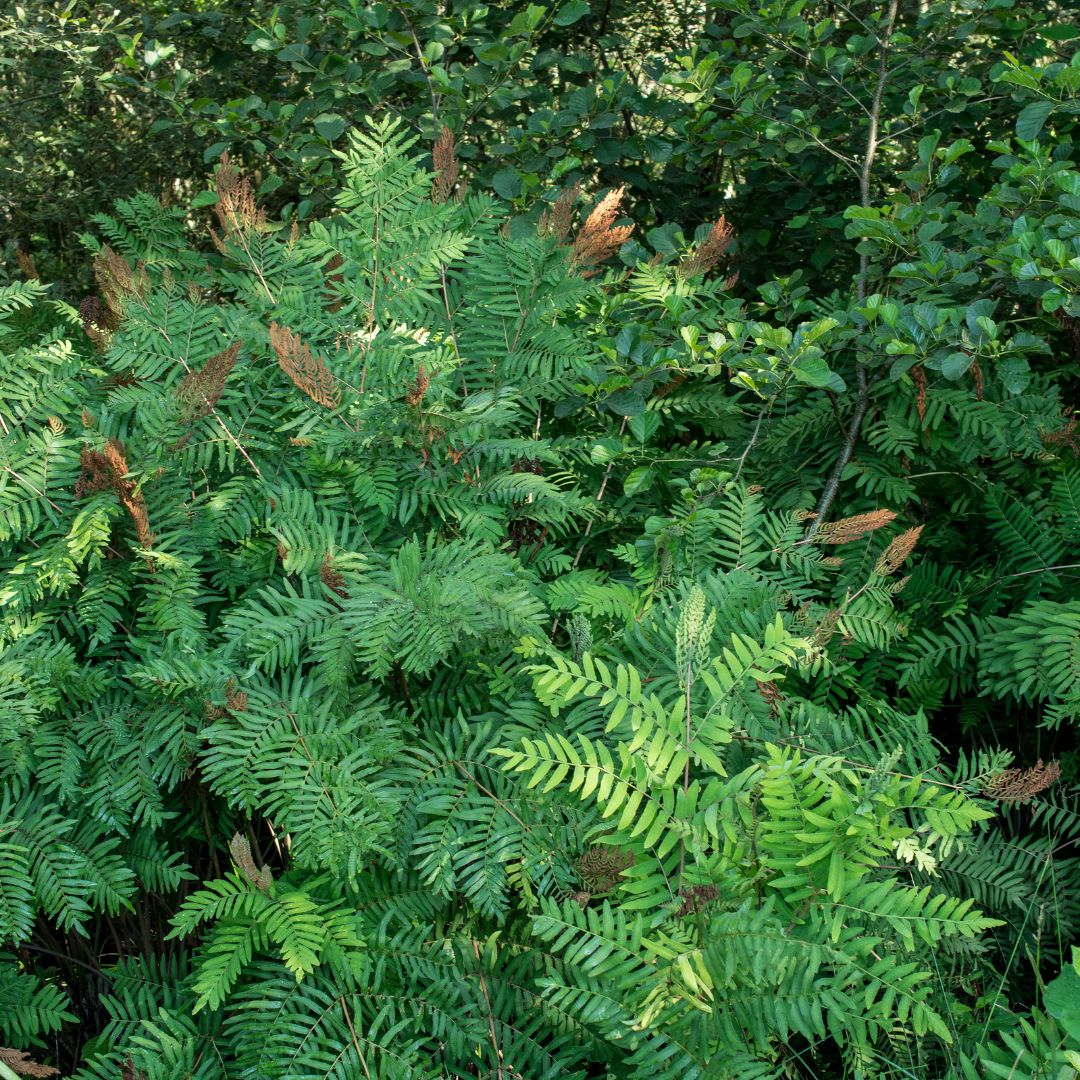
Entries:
{"x":688,"y":737}
{"x":26,"y":483}
{"x":352,"y":1032}
{"x":491,"y":795}
{"x":490,"y":1014}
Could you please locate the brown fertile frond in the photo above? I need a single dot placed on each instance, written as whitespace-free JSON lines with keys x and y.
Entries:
{"x":599,"y":237}
{"x":918,"y":377}
{"x":95,"y":474}
{"x":602,"y":866}
{"x":845,"y":530}
{"x":129,"y":1072}
{"x":130,"y":497}
{"x":236,"y":209}
{"x":333,"y":279}
{"x":98,"y":321}
{"x":240,"y":850}
{"x":666,"y":388}
{"x":332,"y":578}
{"x":1020,"y":785}
{"x":199,"y":391}
{"x":21,"y":1065}
{"x":977,"y":375}
{"x":892,"y":558}
{"x":770,"y":694}
{"x":825,"y":629}
{"x":709,"y":252}
{"x":235,"y":698}
{"x":118,"y":281}
{"x":557,"y":220}
{"x":444,"y":157}
{"x":26,"y":264}
{"x":1068,"y":436}
{"x":1071,"y":325}
{"x":308,"y":373}
{"x":695,"y":897}
{"x":419,"y":388}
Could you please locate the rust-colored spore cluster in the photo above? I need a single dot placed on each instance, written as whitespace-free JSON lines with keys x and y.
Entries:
{"x":109,"y":469}
{"x":709,"y":252}
{"x":1021,"y":785}
{"x":308,"y":373}
{"x":237,"y":212}
{"x":601,"y":867}
{"x":846,"y":530}
{"x":894,"y":556}
{"x":600,"y":238}
{"x":696,"y":897}
{"x":444,"y":158}
{"x":199,"y":391}
{"x":333,"y":578}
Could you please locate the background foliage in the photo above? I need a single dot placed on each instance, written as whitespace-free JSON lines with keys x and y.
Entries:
{"x":555,"y":556}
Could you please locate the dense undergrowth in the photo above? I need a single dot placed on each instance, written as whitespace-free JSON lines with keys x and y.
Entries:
{"x":484,"y":629}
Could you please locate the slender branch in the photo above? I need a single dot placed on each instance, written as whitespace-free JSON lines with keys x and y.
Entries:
{"x":875,"y":120}
{"x":436,"y":97}
{"x":862,"y":400}
{"x":491,"y":795}
{"x":753,"y":439}
{"x":862,"y":404}
{"x":67,"y":959}
{"x":1028,"y":573}
{"x":599,"y":498}
{"x":450,"y":326}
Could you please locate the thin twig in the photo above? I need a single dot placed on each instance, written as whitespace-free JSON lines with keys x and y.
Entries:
{"x":753,"y":439}
{"x":862,"y":401}
{"x":435,"y":96}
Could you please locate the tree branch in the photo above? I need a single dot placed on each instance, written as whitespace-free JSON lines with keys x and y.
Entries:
{"x":862,"y":400}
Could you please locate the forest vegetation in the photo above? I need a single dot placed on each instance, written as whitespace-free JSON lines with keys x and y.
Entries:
{"x":540,"y":541}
